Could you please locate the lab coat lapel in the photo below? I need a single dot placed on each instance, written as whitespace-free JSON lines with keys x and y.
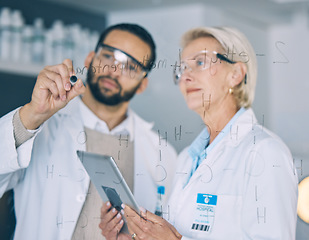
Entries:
{"x":73,"y":120}
{"x":214,"y":162}
{"x":73,"y":123}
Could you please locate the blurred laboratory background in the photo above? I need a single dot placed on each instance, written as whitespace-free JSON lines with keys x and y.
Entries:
{"x":35,"y":33}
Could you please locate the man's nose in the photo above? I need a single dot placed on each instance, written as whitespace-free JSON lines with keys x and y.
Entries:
{"x":113,"y":69}
{"x":117,"y":69}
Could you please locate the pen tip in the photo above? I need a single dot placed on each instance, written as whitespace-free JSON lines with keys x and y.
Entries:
{"x":73,"y":79}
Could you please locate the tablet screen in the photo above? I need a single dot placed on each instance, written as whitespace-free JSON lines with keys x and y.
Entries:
{"x":108,"y":180}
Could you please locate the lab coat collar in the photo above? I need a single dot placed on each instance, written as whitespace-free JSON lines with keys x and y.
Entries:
{"x":239,"y":129}
{"x":90,"y":120}
{"x":73,"y":110}
{"x":201,"y":147}
{"x":245,"y":123}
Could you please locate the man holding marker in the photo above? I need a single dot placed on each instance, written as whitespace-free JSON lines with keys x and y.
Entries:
{"x":54,"y":197}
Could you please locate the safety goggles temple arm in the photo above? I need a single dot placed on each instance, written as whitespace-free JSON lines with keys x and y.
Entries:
{"x":223,"y":58}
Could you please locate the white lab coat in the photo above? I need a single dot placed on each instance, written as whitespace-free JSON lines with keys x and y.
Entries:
{"x":50,"y":183}
{"x":252,"y":175}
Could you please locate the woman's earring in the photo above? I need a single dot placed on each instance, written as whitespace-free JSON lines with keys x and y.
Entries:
{"x":231,"y":90}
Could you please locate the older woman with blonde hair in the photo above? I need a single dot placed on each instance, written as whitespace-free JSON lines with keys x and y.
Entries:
{"x":237,"y":179}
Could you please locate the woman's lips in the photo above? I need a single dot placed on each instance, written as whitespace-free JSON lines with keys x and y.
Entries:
{"x":192,"y":90}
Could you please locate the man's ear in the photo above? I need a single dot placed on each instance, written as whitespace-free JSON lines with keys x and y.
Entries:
{"x":143,"y":85}
{"x":89,"y":59}
{"x":238,"y":73}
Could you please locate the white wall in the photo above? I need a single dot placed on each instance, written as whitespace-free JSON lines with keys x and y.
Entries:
{"x":290,"y":84}
{"x":289,"y":99}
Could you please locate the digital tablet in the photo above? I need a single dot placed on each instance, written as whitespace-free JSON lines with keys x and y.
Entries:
{"x":108,"y":180}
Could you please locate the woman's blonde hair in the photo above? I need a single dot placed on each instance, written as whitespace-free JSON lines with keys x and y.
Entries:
{"x":237,"y":48}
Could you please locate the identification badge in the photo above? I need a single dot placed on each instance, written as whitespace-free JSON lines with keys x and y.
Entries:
{"x":204,"y":213}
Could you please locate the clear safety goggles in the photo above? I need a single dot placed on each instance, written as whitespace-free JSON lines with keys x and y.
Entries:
{"x":114,"y":59}
{"x":199,"y":62}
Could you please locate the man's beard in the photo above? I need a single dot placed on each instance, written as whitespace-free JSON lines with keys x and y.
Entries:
{"x":114,"y":99}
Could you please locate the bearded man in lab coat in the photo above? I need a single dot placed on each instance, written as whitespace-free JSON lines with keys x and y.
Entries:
{"x":54,"y":197}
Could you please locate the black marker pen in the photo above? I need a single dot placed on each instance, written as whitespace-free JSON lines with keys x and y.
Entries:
{"x":73,"y":80}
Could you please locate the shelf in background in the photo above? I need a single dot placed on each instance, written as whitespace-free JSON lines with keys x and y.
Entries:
{"x":22,"y":69}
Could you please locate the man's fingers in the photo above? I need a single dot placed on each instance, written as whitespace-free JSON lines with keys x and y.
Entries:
{"x":114,"y":232}
{"x":109,"y":218}
{"x":108,"y":223}
{"x":63,"y":70}
{"x":69,"y":64}
{"x":114,"y":223}
{"x":105,"y":208}
{"x":111,"y":221}
{"x":46,"y":82}
{"x":57,"y":79}
{"x":76,"y":90}
{"x":64,"y":95}
{"x":61,"y":74}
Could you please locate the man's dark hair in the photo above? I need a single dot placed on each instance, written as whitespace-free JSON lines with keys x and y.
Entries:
{"x":138,"y":31}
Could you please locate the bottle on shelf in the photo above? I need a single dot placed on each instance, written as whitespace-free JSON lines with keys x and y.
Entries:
{"x":68,"y":43}
{"x":34,"y":44}
{"x":87,"y":42}
{"x":48,"y":47}
{"x":38,"y":41}
{"x":78,"y":61}
{"x":5,"y":32}
{"x":58,"y":42}
{"x":27,"y":44}
{"x":94,"y":40}
{"x":17,"y":23}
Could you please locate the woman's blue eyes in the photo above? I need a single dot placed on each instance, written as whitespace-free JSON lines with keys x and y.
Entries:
{"x":200,"y":63}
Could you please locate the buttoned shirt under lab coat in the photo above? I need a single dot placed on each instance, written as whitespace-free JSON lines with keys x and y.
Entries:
{"x":50,"y":183}
{"x":246,"y":188}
